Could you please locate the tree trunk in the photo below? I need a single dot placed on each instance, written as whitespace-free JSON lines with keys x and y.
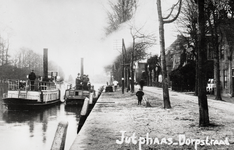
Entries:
{"x":196,"y":77}
{"x":230,"y":71}
{"x":166,"y":99}
{"x":230,"y":77}
{"x":217,"y":74}
{"x":216,"y":60}
{"x":202,"y":99}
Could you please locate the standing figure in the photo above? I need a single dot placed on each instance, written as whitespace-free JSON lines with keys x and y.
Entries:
{"x":115,"y":84}
{"x":139,"y":95}
{"x":142,"y":83}
{"x":32,"y":77}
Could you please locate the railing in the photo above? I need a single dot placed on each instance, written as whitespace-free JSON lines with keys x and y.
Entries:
{"x":28,"y":86}
{"x":13,"y":84}
{"x":47,"y":85}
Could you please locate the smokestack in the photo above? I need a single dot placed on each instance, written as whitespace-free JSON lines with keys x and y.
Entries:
{"x":45,"y":64}
{"x":82,"y":69}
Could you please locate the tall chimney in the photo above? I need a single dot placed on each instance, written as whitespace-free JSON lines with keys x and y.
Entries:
{"x":82,"y":69}
{"x":45,"y":64}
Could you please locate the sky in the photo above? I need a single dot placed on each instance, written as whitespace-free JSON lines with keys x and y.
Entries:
{"x":73,"y":29}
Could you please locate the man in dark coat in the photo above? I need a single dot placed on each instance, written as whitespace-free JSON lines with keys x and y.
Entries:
{"x":139,"y":95}
{"x":32,"y":77}
{"x":142,"y":83}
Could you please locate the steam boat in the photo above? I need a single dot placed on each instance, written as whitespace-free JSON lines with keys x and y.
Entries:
{"x":24,"y":95}
{"x":76,"y":95}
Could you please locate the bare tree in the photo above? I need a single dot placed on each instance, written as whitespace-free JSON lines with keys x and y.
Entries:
{"x":120,"y":12}
{"x":163,"y":20}
{"x":187,"y":26}
{"x":4,"y":48}
{"x":144,"y":41}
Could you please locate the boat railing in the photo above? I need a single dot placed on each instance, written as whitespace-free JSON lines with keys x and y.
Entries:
{"x":47,"y":85}
{"x":13,"y":84}
{"x":28,"y":86}
{"x":18,"y":85}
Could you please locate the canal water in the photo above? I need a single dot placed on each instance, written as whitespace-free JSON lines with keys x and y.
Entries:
{"x":35,"y":129}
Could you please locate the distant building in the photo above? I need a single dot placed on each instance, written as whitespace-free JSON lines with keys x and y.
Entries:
{"x":139,"y":69}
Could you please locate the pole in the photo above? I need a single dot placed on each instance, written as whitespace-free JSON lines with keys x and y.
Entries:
{"x":82,"y":69}
{"x":132,"y":63}
{"x":123,"y":70}
{"x":45,"y":63}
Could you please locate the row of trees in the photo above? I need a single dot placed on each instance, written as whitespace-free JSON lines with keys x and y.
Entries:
{"x":21,"y":64}
{"x":203,"y":20}
{"x":121,"y":12}
{"x":218,"y":18}
{"x":198,"y":20}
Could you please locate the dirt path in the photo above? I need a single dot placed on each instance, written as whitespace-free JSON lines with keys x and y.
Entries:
{"x":154,"y":127}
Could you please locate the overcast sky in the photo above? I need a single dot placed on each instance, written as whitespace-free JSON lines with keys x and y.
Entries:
{"x":70,"y":29}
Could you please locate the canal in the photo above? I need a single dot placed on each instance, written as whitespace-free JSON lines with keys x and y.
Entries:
{"x":35,"y":129}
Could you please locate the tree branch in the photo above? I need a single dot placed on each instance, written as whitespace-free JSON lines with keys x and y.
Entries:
{"x":172,"y":8}
{"x":169,"y":21}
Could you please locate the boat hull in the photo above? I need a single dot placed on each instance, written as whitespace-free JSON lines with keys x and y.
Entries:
{"x":20,"y":103}
{"x":31,"y":99}
{"x":72,"y":101}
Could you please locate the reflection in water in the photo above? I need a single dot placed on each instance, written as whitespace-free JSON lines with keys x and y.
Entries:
{"x":35,"y":129}
{"x":73,"y":110}
{"x":31,"y":117}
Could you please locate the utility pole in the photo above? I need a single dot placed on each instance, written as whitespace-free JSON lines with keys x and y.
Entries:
{"x":132,"y":63}
{"x":123,"y":70}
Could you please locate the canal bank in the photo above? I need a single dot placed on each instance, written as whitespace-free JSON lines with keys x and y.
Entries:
{"x":116,"y":115}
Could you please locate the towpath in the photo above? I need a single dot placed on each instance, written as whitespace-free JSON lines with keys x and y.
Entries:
{"x":116,"y":115}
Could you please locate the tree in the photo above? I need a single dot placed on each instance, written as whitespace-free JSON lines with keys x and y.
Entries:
{"x":4,"y":47}
{"x":117,"y":69}
{"x":214,"y":23}
{"x":153,"y":63}
{"x":187,"y":26}
{"x":202,"y":99}
{"x":144,"y":41}
{"x":120,"y":12}
{"x":163,"y":20}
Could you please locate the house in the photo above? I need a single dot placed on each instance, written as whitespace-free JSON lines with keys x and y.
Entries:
{"x":175,"y":52}
{"x":226,"y":62}
{"x":180,"y":65}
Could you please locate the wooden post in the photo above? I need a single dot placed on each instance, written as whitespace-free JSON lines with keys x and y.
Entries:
{"x":60,"y":136}
{"x":83,"y":114}
{"x":91,"y":98}
{"x":85,"y":106}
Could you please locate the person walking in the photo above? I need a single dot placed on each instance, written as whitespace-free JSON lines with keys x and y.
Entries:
{"x":32,"y":77}
{"x":139,"y":95}
{"x":142,"y":83}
